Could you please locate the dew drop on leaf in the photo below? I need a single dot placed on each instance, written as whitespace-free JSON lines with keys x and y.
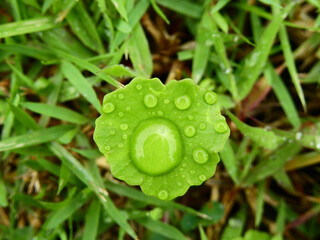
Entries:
{"x":128,"y":108}
{"x":221,"y":126}
{"x":108,"y":107}
{"x":202,"y":126}
{"x":112,"y":132}
{"x":182,"y":102}
{"x":190,"y":117}
{"x":179,"y":184}
{"x":121,"y":96}
{"x":138,"y":87}
{"x":202,"y":178}
{"x":150,"y":100}
{"x":120,"y":114}
{"x":166,"y":101}
{"x":107,"y":148}
{"x":160,"y":113}
{"x":189,"y":130}
{"x":125,"y":136}
{"x":120,"y":145}
{"x":200,"y":155}
{"x":124,"y":126}
{"x":210,"y":97}
{"x":163,"y":195}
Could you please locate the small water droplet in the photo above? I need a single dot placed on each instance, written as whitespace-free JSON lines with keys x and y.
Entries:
{"x":202,"y":178}
{"x":108,"y":107}
{"x":163,"y":195}
{"x":200,"y":155}
{"x":298,"y":135}
{"x":183,"y":176}
{"x":198,"y":104}
{"x":192,"y":171}
{"x":221,"y":126}
{"x":120,"y":114}
{"x":124,"y":126}
{"x":112,"y":132}
{"x":182,"y":102}
{"x":189,"y":130}
{"x":190,"y":117}
{"x":153,"y":113}
{"x":138,"y":87}
{"x":121,"y":96}
{"x":160,"y":113}
{"x":184,"y":165}
{"x":120,"y":145}
{"x":150,"y":100}
{"x":107,"y":148}
{"x":166,"y":101}
{"x":128,"y":108}
{"x":124,"y":136}
{"x":210,"y":97}
{"x":202,"y":126}
{"x":179,"y":184}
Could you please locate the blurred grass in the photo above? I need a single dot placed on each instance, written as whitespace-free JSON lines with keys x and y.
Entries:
{"x":58,"y":60}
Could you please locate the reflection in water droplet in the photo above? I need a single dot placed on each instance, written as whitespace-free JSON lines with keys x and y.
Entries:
{"x":189,"y":130}
{"x":120,"y":114}
{"x":150,"y":100}
{"x":121,"y":96}
{"x":202,"y":126}
{"x":108,"y":107}
{"x":202,"y":178}
{"x":210,"y":97}
{"x":182,"y":102}
{"x":163,"y":195}
{"x":221,"y":126}
{"x":138,"y":87}
{"x":166,"y":101}
{"x":200,"y":155}
{"x":112,"y":132}
{"x":156,"y":146}
{"x":124,"y":126}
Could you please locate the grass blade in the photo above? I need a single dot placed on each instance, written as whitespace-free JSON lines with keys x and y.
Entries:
{"x":92,"y":221}
{"x":34,"y":138}
{"x":187,"y":8}
{"x":229,"y":161}
{"x":56,"y":112}
{"x":80,"y":83}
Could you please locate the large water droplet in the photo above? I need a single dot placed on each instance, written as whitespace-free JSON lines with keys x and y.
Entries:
{"x":221,"y":126}
{"x":163,"y":195}
{"x":182,"y":102}
{"x":156,"y":146}
{"x":189,"y":130}
{"x":210,"y":97}
{"x":200,"y":155}
{"x":124,"y":126}
{"x":150,"y":100}
{"x":108,"y":107}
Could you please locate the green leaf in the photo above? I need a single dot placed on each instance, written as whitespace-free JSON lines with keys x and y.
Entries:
{"x":3,"y":194}
{"x":139,"y":53}
{"x":92,"y":221}
{"x":56,"y":112}
{"x":259,"y":203}
{"x":230,"y":162}
{"x":80,"y":83}
{"x":184,"y":7}
{"x":281,"y":218}
{"x":121,"y":8}
{"x":63,"y":178}
{"x":26,"y":26}
{"x":34,"y":138}
{"x":260,"y":136}
{"x":119,"y":71}
{"x":161,"y":228}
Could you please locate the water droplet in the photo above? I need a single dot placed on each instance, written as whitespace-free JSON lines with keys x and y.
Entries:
{"x":183,"y":176}
{"x":166,"y":101}
{"x":182,"y":102}
{"x":108,"y":107}
{"x":202,"y":126}
{"x":150,"y":100}
{"x":112,"y":132}
{"x":107,"y":148}
{"x":153,"y":113}
{"x":210,"y":97}
{"x":163,"y":195}
{"x":221,"y":126}
{"x":189,"y":130}
{"x":124,"y":126}
{"x":138,"y":87}
{"x":156,"y":146}
{"x":202,"y":178}
{"x":198,"y":104}
{"x":120,"y":114}
{"x":124,"y":136}
{"x":192,"y":171}
{"x":179,"y":184}
{"x":128,"y":108}
{"x":121,"y":96}
{"x":160,"y":113}
{"x":298,"y":135}
{"x":200,"y":155}
{"x":184,"y":165}
{"x":120,"y":145}
{"x":190,"y":117}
